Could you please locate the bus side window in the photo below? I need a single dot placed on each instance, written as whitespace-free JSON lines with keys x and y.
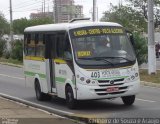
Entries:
{"x":60,"y":45}
{"x":40,"y":46}
{"x":25,"y":44}
{"x":27,"y":41}
{"x":28,"y":38}
{"x":31,"y":46}
{"x":67,"y":49}
{"x":49,"y":46}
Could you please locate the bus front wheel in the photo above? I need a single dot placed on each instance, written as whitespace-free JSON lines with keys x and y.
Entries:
{"x":128,"y":100}
{"x":39,"y":95}
{"x":71,"y":102}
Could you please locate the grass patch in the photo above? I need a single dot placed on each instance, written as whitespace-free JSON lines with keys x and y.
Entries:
{"x":12,"y":61}
{"x":144,"y":76}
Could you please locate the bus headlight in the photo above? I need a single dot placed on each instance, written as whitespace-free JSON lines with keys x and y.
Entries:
{"x":136,"y":74}
{"x":82,"y":79}
{"x":88,"y":81}
{"x":93,"y":82}
{"x":132,"y":77}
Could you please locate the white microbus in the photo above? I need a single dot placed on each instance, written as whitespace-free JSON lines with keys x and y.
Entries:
{"x":81,"y":61}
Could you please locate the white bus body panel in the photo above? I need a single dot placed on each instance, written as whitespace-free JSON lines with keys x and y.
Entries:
{"x":48,"y":79}
{"x":98,"y":89}
{"x":35,"y":69}
{"x":63,"y":76}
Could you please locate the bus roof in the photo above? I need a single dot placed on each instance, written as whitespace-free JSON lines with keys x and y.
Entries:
{"x":67,"y":26}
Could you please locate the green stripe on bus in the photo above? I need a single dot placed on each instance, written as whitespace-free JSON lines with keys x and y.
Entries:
{"x":111,"y":78}
{"x":74,"y":82}
{"x":28,"y":73}
{"x":60,"y":79}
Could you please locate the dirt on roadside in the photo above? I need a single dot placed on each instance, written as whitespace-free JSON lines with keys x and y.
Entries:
{"x":12,"y":112}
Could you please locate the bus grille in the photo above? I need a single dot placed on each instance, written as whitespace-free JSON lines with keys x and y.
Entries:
{"x":117,"y":82}
{"x":107,"y":81}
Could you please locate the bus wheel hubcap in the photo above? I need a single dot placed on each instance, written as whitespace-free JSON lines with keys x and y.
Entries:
{"x":69,"y":97}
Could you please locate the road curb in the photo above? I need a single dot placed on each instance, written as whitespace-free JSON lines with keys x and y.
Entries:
{"x":68,"y":115}
{"x":10,"y":64}
{"x":49,"y":109}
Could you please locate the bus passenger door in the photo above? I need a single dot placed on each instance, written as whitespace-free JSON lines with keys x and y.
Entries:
{"x":50,"y":65}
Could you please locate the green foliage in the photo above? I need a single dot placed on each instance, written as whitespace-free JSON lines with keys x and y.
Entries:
{"x":126,"y":16}
{"x":140,"y":48}
{"x":6,"y":54}
{"x":17,"y":50}
{"x":2,"y":47}
{"x":141,"y":6}
{"x":133,"y":21}
{"x":4,"y":26}
{"x":142,"y":3}
{"x":20,"y":24}
{"x":40,"y":21}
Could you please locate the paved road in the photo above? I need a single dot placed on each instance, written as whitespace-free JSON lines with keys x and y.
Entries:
{"x":147,"y":102}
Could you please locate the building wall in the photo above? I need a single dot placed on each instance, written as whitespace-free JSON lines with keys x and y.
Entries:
{"x":65,"y":10}
{"x":64,"y":2}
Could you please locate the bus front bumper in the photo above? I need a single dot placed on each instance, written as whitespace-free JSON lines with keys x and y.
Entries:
{"x":86,"y":92}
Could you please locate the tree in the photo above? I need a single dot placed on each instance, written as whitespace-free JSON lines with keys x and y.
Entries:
{"x":133,"y":21}
{"x":4,"y":26}
{"x":4,"y":29}
{"x":20,"y":24}
{"x":141,"y":6}
{"x":2,"y":47}
{"x":17,"y":50}
{"x":40,"y":21}
{"x":126,"y":16}
{"x":140,"y":48}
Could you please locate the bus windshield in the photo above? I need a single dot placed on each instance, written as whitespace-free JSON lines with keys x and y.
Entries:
{"x":101,"y":46}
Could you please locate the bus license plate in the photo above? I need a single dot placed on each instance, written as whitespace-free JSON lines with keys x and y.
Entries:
{"x":112,"y":89}
{"x":111,"y":73}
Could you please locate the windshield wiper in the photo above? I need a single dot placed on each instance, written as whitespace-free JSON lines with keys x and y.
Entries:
{"x":124,"y":58}
{"x":98,"y":59}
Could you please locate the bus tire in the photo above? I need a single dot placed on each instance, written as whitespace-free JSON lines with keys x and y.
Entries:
{"x":39,"y":94}
{"x":128,"y":100}
{"x":71,"y":102}
{"x":48,"y":97}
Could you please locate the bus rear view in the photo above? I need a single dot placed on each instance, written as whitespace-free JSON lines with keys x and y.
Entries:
{"x":105,"y":63}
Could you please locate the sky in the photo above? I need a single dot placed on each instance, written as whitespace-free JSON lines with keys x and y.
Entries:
{"x":23,"y":8}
